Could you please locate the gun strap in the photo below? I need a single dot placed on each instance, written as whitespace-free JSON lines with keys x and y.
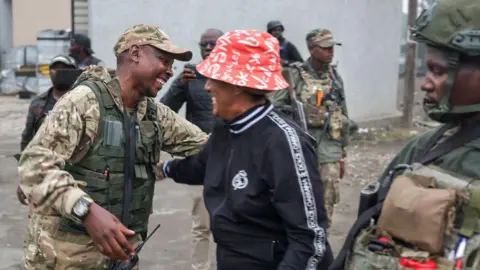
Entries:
{"x":457,"y":140}
{"x":129,"y":164}
{"x":462,"y":137}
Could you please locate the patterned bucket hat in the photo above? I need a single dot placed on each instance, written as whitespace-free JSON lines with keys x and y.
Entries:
{"x":248,"y":58}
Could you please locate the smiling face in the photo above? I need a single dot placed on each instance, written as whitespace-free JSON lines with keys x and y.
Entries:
{"x":223,"y":98}
{"x":152,"y":70}
{"x":466,"y":89}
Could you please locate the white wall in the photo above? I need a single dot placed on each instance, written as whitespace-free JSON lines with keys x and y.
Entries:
{"x":369,"y":29}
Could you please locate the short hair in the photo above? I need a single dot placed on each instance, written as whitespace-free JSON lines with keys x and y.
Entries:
{"x":214,"y":31}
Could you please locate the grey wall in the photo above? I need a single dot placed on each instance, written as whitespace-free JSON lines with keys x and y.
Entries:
{"x":6,"y":30}
{"x":369,"y":29}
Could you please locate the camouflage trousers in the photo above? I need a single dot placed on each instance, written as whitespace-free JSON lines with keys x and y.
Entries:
{"x":330,"y":175}
{"x":46,"y":247}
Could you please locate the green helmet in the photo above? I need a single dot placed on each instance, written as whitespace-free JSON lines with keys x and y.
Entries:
{"x":453,"y":26}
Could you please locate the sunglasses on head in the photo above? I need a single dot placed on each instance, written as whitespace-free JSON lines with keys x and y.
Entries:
{"x":208,"y":42}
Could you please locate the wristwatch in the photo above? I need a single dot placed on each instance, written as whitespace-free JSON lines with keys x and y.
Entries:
{"x":82,"y":207}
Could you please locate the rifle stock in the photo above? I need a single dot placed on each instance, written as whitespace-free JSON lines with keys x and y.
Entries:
{"x":297,"y":106}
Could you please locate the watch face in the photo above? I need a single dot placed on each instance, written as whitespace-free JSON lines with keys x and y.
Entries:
{"x":81,"y":208}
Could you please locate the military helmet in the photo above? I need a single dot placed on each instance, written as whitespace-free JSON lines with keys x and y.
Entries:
{"x":274,"y":24}
{"x":450,"y":24}
{"x":454,"y":27}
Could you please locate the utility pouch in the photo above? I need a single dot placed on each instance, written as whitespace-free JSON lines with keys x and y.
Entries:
{"x":113,"y":133}
{"x":418,"y":213}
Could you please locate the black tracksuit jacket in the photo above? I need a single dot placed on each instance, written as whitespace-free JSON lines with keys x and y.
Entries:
{"x":263,"y":192}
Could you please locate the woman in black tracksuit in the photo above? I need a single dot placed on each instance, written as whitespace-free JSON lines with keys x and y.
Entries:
{"x":262,"y":188}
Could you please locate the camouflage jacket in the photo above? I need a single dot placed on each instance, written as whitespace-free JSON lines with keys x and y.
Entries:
{"x":67,"y":135}
{"x":331,"y":146}
{"x":39,"y":106}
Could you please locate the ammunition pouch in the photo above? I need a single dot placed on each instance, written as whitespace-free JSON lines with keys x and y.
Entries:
{"x":418,"y":213}
{"x":315,"y":116}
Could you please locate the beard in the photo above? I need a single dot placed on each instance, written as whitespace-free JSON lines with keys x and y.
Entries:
{"x":75,"y":55}
{"x":62,"y":87}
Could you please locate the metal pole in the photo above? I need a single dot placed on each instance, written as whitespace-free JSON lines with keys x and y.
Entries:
{"x":72,"y":14}
{"x":410,"y":76}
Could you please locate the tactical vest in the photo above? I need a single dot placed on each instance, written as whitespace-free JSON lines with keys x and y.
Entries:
{"x":321,"y":101}
{"x":102,"y":168}
{"x":429,"y":216}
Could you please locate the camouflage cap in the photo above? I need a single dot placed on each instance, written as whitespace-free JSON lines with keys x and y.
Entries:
{"x":145,"y":34}
{"x":322,"y":38}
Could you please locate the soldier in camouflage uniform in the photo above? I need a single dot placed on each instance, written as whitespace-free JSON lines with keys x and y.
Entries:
{"x":73,"y":171}
{"x":451,"y":31}
{"x":320,"y":89}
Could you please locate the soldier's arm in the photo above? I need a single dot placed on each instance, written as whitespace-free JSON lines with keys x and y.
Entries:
{"x":28,"y":131}
{"x":281,"y":98}
{"x":180,"y":137}
{"x":175,"y":96}
{"x":65,"y":136}
{"x":294,"y":54}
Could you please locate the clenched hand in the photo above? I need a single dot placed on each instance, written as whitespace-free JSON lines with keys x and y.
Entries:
{"x":108,"y":233}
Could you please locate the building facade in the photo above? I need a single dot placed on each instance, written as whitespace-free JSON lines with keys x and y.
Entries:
{"x":31,"y":16}
{"x":369,"y":30}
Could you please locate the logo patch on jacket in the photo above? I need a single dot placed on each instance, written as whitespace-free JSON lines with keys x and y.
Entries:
{"x":240,"y":180}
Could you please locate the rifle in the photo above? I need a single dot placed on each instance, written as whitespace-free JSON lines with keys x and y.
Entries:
{"x":297,"y":106}
{"x":132,"y":259}
{"x":333,"y":96}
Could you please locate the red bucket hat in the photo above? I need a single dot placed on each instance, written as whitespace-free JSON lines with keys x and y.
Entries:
{"x":248,"y":58}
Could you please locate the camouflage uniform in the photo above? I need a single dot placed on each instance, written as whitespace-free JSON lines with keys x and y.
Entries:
{"x":333,"y":137}
{"x":65,"y":139}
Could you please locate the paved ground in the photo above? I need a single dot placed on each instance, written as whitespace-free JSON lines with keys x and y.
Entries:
{"x":169,"y":248}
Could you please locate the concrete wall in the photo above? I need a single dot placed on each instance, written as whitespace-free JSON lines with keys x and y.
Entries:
{"x":31,"y":16}
{"x":6,"y":35}
{"x":369,"y":29}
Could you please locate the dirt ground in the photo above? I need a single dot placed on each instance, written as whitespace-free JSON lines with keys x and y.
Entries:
{"x":170,"y":247}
